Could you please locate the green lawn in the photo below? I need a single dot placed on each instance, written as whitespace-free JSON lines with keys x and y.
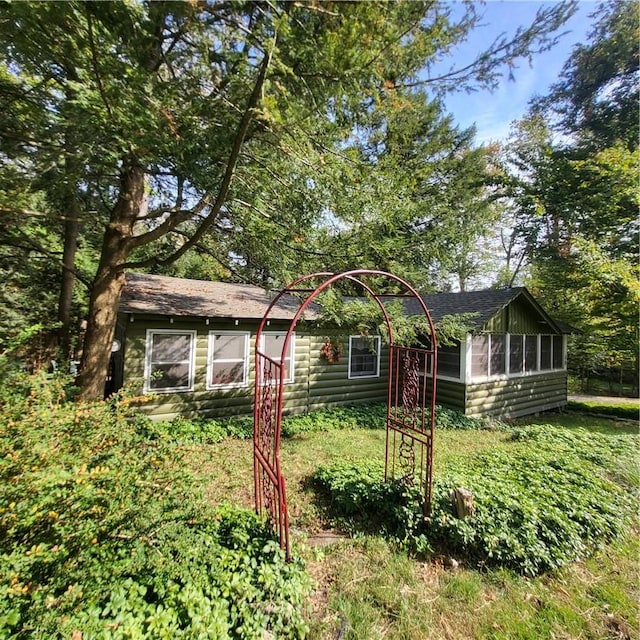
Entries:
{"x":365,"y":588}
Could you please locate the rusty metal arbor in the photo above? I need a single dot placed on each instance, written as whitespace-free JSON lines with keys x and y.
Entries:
{"x":410,"y":399}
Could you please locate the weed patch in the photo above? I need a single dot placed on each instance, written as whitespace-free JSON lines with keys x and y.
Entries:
{"x":547,"y":501}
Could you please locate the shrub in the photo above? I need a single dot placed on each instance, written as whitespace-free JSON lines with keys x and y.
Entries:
{"x":547,"y":501}
{"x":364,"y":502}
{"x":366,"y":416}
{"x":103,"y":532}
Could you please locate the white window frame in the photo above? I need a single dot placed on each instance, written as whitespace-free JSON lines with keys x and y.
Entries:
{"x":378,"y":350}
{"x":211,"y":354}
{"x":292,"y":351}
{"x":148,"y":355}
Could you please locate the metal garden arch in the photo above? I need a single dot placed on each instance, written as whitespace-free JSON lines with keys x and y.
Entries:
{"x":410,"y":400}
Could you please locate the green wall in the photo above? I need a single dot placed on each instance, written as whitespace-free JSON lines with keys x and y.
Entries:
{"x":317,"y":383}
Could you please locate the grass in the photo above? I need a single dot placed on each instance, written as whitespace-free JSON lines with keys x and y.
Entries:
{"x":384,"y":594}
{"x":366,"y":589}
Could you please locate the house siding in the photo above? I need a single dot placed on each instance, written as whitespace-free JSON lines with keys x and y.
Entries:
{"x":329,"y":383}
{"x":316,"y":384}
{"x":516,"y":397}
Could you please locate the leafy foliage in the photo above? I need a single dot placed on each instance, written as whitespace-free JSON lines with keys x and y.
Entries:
{"x":618,"y":410}
{"x":576,"y":194}
{"x":363,"y":416}
{"x":548,"y":500}
{"x":102,"y":532}
{"x":364,"y":502}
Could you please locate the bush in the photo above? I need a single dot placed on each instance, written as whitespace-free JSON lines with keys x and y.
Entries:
{"x":365,"y":416}
{"x":549,"y":500}
{"x":103,"y":532}
{"x":364,"y":502}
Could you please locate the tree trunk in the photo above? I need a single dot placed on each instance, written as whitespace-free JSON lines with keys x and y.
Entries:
{"x":108,"y":284}
{"x":65,"y":301}
{"x":71,"y":208}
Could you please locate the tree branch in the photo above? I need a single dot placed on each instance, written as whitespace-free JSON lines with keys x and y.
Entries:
{"x":225,"y":185}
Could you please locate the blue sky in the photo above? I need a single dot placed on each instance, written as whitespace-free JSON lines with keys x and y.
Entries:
{"x":492,"y":112}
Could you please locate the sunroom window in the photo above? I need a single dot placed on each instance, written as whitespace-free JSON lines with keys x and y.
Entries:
{"x":480,"y":356}
{"x":169,"y":360}
{"x":449,"y":361}
{"x":516,"y":353}
{"x":545,"y":352}
{"x":558,"y":360}
{"x":488,"y":355}
{"x":228,"y":359}
{"x":498,"y":360}
{"x":531,"y":353}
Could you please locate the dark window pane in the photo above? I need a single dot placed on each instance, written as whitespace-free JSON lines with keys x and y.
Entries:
{"x":480,"y":356}
{"x":170,"y":347}
{"x":363,"y":359}
{"x":449,"y":361}
{"x":169,"y":376}
{"x":557,"y":352}
{"x":545,"y":353}
{"x":515,"y":353}
{"x":498,"y":354}
{"x":531,"y":353}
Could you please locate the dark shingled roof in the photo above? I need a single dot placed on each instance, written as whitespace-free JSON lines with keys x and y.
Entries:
{"x":166,"y":296}
{"x":485,"y":304}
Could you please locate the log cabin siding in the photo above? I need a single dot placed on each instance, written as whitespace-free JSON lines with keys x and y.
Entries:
{"x":316,"y":382}
{"x":516,"y":397}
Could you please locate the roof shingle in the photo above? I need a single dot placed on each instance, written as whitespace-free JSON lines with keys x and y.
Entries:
{"x":167,"y":296}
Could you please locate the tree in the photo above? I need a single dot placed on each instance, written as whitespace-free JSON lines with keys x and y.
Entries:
{"x":163,"y":112}
{"x":596,"y":96}
{"x":578,"y":199}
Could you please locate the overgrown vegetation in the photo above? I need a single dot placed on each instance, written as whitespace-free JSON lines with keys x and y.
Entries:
{"x":548,"y":500}
{"x":623,"y":410}
{"x":370,"y":416}
{"x":102,"y":532}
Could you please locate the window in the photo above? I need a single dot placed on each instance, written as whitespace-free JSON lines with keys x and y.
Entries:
{"x":531,"y":353}
{"x":498,"y":359}
{"x":488,"y":353}
{"x":479,"y":356}
{"x":449,"y":361}
{"x":516,"y":352}
{"x":271,"y":345}
{"x":545,"y":352}
{"x":169,"y":360}
{"x":558,"y":359}
{"x":364,"y":357}
{"x":228,"y":361}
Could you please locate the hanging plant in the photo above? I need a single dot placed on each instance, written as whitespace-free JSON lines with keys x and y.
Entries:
{"x":331,"y":351}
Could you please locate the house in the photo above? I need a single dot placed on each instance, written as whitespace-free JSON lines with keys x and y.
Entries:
{"x":188,"y":345}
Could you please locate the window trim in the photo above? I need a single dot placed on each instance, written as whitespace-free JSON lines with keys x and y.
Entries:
{"x":378,"y":353}
{"x":148,"y":349}
{"x":292,"y":351}
{"x":211,"y":352}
